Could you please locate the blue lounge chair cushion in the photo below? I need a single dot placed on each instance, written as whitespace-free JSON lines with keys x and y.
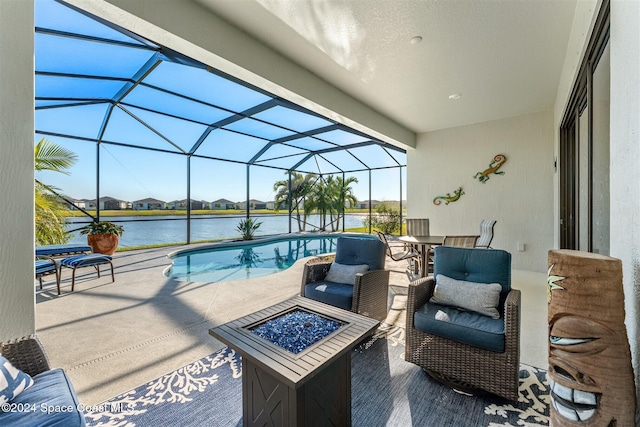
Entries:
{"x":85,"y":260}
{"x":50,"y":392}
{"x":462,"y":326}
{"x":58,"y":250}
{"x":45,"y":266}
{"x":335,"y":294}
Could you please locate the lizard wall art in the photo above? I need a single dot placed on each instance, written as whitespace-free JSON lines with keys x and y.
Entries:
{"x":448,"y":198}
{"x":495,"y":164}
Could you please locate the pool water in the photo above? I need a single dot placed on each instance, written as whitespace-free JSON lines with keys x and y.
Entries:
{"x":242,"y":260}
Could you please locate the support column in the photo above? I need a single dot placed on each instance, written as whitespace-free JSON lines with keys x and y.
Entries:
{"x":17,"y":296}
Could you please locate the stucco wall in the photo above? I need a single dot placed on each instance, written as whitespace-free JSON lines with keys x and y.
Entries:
{"x":521,"y":200}
{"x":625,"y":164}
{"x":17,"y":303}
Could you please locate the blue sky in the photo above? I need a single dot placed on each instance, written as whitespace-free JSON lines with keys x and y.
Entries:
{"x":134,"y":174}
{"x":131,"y":92}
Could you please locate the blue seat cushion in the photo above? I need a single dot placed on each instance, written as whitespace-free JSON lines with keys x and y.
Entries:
{"x":461,"y":326}
{"x":357,"y":251}
{"x":53,"y":400}
{"x":85,"y":260}
{"x":45,"y":266}
{"x":470,"y":265}
{"x":335,"y":294}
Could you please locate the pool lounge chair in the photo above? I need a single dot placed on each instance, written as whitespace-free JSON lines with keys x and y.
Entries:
{"x":45,"y":267}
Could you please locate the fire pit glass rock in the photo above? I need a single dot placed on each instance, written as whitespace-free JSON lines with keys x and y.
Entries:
{"x":296,"y":330}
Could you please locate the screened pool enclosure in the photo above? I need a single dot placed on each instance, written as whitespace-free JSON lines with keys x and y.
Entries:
{"x":151,"y":126}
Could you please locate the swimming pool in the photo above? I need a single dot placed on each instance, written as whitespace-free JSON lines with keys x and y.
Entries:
{"x":246,"y":260}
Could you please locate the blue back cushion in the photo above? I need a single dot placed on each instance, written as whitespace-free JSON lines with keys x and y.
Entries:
{"x":474,"y":265}
{"x":352,"y":251}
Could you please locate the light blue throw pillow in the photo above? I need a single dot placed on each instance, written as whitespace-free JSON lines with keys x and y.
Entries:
{"x":12,"y":381}
{"x":482,"y":298}
{"x":342,"y":273}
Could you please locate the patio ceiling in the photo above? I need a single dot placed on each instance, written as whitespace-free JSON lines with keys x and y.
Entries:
{"x":99,"y":83}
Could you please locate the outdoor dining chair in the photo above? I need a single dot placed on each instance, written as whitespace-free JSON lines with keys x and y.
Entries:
{"x":403,"y":252}
{"x":417,"y":226}
{"x":486,"y":233}
{"x":45,"y":267}
{"x":460,"y":241}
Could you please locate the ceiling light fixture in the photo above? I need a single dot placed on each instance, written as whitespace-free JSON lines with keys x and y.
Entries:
{"x":415,"y":40}
{"x":455,"y":96}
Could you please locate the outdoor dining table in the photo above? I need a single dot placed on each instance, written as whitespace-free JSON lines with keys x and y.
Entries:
{"x":424,"y":243}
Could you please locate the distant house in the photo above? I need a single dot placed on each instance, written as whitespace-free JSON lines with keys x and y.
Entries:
{"x":365,"y":204}
{"x":182,"y":204}
{"x":111,"y":204}
{"x":253,"y":204}
{"x":272,"y":205}
{"x":176,"y":204}
{"x":223,"y":204}
{"x":148,"y":204}
{"x":105,"y":203}
{"x":89,"y":204}
{"x":75,"y":204}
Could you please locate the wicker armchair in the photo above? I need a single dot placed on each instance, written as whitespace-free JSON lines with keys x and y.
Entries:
{"x":51,"y":388}
{"x":451,"y":361}
{"x":370,"y":292}
{"x":26,"y":354}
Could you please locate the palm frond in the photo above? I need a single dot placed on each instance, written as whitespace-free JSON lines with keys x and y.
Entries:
{"x":53,"y":157}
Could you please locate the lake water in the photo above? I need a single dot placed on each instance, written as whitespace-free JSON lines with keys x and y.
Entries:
{"x":173,"y":229}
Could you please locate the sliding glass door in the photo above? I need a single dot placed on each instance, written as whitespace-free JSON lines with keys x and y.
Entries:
{"x":584,"y":150}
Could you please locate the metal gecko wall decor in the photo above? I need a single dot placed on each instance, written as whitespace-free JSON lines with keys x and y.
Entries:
{"x":495,"y":164}
{"x":448,"y":198}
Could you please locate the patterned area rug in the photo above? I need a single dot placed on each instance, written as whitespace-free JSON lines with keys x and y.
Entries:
{"x":386,"y":390}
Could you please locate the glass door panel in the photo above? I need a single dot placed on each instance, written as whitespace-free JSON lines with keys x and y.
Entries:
{"x":583,"y":180}
{"x":600,"y":156}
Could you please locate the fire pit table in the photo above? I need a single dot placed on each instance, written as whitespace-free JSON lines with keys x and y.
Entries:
{"x":296,"y":362}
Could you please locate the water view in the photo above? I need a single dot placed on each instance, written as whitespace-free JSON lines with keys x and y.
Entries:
{"x":140,"y":230}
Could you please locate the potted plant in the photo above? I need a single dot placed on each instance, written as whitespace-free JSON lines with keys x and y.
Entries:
{"x":102,"y":236}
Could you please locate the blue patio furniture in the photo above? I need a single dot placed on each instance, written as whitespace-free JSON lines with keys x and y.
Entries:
{"x":355,"y":281}
{"x":86,"y":260}
{"x":45,"y":267}
{"x":463,"y":323}
{"x":40,"y":405}
{"x":61,"y":250}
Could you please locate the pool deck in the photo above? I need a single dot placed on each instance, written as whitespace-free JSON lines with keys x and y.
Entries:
{"x":112,"y":337}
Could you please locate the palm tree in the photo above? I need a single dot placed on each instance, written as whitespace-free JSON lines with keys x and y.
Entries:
{"x":320,"y":199}
{"x":300,"y":188}
{"x":343,"y":196}
{"x":49,"y":209}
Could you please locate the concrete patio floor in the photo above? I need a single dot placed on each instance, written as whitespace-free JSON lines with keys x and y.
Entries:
{"x":112,"y":337}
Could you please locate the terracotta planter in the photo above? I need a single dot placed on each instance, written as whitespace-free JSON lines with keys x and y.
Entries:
{"x":103,"y":243}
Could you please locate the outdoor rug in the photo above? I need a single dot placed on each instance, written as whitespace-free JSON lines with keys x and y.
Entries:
{"x":386,"y":391}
